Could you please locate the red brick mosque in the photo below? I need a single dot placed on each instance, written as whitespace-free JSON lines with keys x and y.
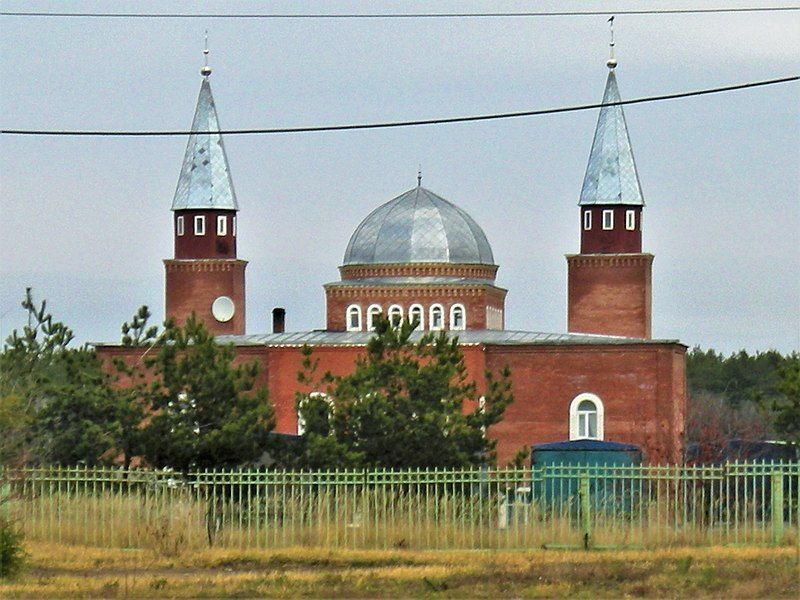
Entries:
{"x":420,"y":256}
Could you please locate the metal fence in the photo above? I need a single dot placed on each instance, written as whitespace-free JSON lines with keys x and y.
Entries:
{"x":552,"y":506}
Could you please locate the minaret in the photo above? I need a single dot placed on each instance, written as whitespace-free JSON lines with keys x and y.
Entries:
{"x":609,"y":282}
{"x":205,"y":277}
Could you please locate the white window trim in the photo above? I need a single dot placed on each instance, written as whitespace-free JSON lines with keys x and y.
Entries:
{"x":630,"y":220}
{"x":222,"y":225}
{"x":350,"y":309}
{"x":463,"y":310}
{"x":233,"y":229}
{"x":374,"y":309}
{"x":301,"y":422}
{"x":610,"y":215}
{"x":421,"y":311}
{"x":395,"y":310}
{"x":573,"y":416}
{"x":587,"y":220}
{"x":179,"y":225}
{"x":431,"y":321}
{"x":199,"y":225}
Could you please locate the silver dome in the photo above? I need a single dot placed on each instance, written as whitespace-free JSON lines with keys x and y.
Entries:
{"x":418,"y":227}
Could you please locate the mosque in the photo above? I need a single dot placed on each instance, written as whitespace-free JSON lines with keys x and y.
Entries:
{"x":420,"y":256}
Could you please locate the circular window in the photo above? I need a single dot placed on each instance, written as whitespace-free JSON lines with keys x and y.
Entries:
{"x":223,"y":309}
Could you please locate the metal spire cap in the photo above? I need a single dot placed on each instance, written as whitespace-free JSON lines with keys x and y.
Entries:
{"x":205,"y":71}
{"x":611,"y":62}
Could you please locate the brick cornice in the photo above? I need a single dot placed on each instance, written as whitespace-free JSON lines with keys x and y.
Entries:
{"x":202,"y":265}
{"x":472,"y":271}
{"x":609,"y":260}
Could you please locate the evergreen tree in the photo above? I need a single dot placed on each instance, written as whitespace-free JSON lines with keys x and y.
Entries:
{"x":206,"y":412}
{"x":403,"y":406}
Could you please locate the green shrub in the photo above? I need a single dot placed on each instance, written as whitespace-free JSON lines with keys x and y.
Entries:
{"x":12,"y":555}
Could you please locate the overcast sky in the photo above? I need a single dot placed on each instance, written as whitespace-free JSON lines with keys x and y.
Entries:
{"x":86,"y":221}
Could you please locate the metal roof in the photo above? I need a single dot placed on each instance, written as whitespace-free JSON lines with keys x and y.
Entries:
{"x":611,"y":176}
{"x":205,"y":179}
{"x":468,"y":337}
{"x":418,"y":227}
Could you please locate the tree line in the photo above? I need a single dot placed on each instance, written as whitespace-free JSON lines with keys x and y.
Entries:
{"x":742,"y":395}
{"x":176,"y":398}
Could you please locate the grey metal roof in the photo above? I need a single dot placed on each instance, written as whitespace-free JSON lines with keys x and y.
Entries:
{"x":205,"y":180}
{"x":611,"y":176}
{"x":418,"y":227}
{"x":468,"y":337}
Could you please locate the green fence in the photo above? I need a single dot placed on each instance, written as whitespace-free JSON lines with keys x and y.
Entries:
{"x":552,"y":506}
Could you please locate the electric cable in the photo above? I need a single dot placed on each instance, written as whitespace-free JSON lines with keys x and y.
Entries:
{"x":396,"y":124}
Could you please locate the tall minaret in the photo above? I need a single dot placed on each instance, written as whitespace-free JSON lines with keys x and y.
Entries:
{"x":609,"y":282}
{"x":205,"y":277}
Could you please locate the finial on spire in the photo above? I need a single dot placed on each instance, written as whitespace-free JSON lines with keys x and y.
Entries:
{"x":611,"y":62}
{"x":419,"y":176}
{"x":206,"y":70}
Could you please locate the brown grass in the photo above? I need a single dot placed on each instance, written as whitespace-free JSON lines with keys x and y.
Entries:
{"x":84,"y":572}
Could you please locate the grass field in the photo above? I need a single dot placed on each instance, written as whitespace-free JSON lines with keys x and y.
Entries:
{"x":59,"y":571}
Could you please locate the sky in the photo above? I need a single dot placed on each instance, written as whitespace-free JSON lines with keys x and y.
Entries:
{"x":86,"y":222}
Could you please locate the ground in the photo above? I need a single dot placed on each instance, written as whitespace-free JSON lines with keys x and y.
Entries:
{"x":80,"y":572}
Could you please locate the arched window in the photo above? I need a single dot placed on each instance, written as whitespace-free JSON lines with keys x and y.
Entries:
{"x":396,"y":315}
{"x":436,"y":318}
{"x":304,"y":406}
{"x":354,"y":317}
{"x":417,"y":313}
{"x":458,"y":317}
{"x":372,"y":312}
{"x":586,"y":417}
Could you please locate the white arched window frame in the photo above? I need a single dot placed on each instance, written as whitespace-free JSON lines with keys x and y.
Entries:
{"x":301,"y":422}
{"x":586,"y":417}
{"x":395,"y":315}
{"x":415,"y":311}
{"x":458,"y":317}
{"x":373,"y":311}
{"x":353,"y":316}
{"x":436,"y":317}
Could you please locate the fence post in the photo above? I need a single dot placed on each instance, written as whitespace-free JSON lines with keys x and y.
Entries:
{"x":586,"y":519}
{"x":777,"y":506}
{"x":5,"y":501}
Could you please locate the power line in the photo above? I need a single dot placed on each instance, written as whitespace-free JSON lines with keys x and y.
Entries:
{"x":391,"y":124}
{"x":440,"y":15}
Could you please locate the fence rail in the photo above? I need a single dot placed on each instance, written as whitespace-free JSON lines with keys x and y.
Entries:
{"x":556,"y":505}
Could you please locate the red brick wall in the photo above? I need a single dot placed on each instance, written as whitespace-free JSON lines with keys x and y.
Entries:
{"x":617,"y":240}
{"x":474,"y":298}
{"x":193,"y":285}
{"x":610,"y":294}
{"x":642,"y":387}
{"x":208,"y":245}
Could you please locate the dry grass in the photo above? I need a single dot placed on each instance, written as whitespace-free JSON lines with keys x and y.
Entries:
{"x":84,"y":572}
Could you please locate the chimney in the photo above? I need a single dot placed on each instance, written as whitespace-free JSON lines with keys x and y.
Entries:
{"x":278,"y":320}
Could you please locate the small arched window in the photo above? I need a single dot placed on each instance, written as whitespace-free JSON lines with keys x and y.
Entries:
{"x":436,"y":318}
{"x":458,"y":317}
{"x":586,"y":417}
{"x":417,"y":313}
{"x":304,"y":405}
{"x":354,"y":317}
{"x":372,"y":313}
{"x":396,"y":315}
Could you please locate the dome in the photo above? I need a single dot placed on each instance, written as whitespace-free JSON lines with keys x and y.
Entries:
{"x":418,"y":227}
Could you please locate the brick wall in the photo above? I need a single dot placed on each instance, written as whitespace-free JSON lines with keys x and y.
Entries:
{"x":193,"y":285}
{"x":610,"y":294}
